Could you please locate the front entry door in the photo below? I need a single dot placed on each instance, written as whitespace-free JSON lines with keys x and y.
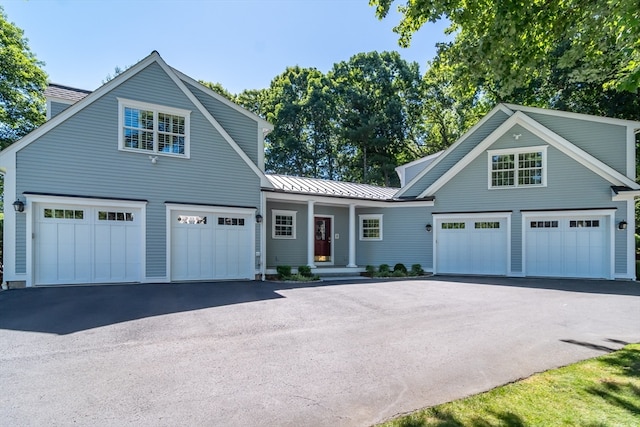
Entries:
{"x":322,"y":247}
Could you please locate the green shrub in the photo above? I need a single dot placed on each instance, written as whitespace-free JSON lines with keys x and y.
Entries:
{"x":398,"y":273}
{"x":284,"y":271}
{"x":370,"y":269}
{"x":384,"y":268}
{"x":304,"y":270}
{"x":416,"y":270}
{"x":400,"y":267}
{"x":637,"y":270}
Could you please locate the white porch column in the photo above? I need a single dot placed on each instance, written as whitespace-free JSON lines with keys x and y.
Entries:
{"x":352,"y":236}
{"x":310,"y":234}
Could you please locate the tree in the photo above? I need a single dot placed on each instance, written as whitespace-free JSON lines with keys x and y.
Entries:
{"x":219,"y":89}
{"x":22,"y":85}
{"x":509,"y":40}
{"x":380,"y":109}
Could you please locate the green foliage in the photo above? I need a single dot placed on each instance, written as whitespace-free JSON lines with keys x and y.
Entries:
{"x":511,"y":42}
{"x":384,"y":268}
{"x":400,"y":267}
{"x":370,"y":269}
{"x":305,"y":270}
{"x":22,"y":85}
{"x":399,"y":273}
{"x":219,"y":89}
{"x":416,"y":270}
{"x":284,"y":271}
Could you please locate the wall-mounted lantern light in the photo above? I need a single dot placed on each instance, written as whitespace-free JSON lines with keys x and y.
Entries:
{"x":428,"y":227}
{"x":18,"y":206}
{"x":258,"y":218}
{"x":622,"y":225}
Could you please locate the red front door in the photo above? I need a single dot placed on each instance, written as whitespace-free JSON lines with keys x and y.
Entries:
{"x":322,"y":247}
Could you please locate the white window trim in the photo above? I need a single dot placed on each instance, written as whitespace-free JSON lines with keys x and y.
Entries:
{"x":361,"y":219}
{"x":515,"y":152}
{"x":122,"y":103}
{"x":292,"y":214}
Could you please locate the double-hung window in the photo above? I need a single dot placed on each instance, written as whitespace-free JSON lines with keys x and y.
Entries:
{"x":371,"y":227}
{"x":153,"y":129}
{"x":523,"y":167}
{"x":283,"y":224}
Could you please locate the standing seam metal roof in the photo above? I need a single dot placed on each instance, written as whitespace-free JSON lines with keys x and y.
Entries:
{"x":296,"y":184}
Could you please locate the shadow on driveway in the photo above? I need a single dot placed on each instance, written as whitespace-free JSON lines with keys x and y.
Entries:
{"x":65,"y":310}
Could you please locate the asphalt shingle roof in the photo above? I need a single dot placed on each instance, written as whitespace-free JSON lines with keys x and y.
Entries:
{"x":68,"y":93}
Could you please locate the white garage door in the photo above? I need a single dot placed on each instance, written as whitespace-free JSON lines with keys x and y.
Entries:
{"x":211,"y":245}
{"x":574,"y":246}
{"x":472,"y":245}
{"x":86,"y":244}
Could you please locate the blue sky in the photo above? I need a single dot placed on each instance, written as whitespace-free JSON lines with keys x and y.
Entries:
{"x":242,"y":44}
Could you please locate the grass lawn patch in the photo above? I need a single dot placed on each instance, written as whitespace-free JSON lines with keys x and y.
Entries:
{"x":604,"y":391}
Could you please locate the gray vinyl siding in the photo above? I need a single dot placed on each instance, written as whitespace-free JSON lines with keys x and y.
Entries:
{"x":241,"y":128}
{"x":80,"y":157}
{"x":56,"y":108}
{"x":569,"y":186}
{"x":291,"y":252}
{"x":21,"y":244}
{"x":404,"y":238}
{"x":448,"y":160}
{"x":606,"y":142}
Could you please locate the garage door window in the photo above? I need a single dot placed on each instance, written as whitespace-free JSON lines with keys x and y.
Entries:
{"x":231,"y":221}
{"x":115,"y":216}
{"x":64,"y":213}
{"x":453,"y":225}
{"x":192,"y":219}
{"x":584,"y":223}
{"x":487,"y":224}
{"x":544,"y":224}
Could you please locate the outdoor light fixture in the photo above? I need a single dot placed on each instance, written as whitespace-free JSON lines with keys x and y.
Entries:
{"x":428,"y":228}
{"x":622,"y":225}
{"x":18,"y":206}
{"x":258,"y":218}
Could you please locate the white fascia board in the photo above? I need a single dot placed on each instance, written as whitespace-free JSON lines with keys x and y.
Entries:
{"x":624,"y":195}
{"x":338,"y":201}
{"x":578,"y":116}
{"x":499,"y":107}
{"x":264,"y":182}
{"x":261,"y":122}
{"x":552,"y":138}
{"x":80,"y":105}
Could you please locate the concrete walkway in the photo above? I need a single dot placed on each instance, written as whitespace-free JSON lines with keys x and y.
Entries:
{"x":272,"y":354}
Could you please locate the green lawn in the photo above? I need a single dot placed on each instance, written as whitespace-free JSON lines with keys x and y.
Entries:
{"x":599,"y":392}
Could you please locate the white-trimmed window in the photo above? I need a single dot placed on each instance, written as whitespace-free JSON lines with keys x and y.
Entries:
{"x":283,"y":224}
{"x":149,"y":128}
{"x":370,"y":227}
{"x":522,"y":167}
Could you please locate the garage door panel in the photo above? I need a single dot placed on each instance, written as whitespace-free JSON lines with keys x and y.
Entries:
{"x":215,"y":250}
{"x":78,"y":244}
{"x":574,"y":246}
{"x":472,"y":246}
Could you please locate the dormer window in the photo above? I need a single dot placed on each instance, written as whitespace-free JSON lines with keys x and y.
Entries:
{"x":522,"y":167}
{"x":149,"y":128}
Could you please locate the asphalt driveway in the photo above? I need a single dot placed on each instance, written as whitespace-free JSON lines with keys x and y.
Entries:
{"x":249,"y":353}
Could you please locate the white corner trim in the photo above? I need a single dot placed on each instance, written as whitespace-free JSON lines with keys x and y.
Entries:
{"x":555,"y":140}
{"x":631,"y":153}
{"x":499,"y":107}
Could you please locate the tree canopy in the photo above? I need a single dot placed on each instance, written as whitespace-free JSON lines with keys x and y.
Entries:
{"x":22,"y":85}
{"x":511,"y":40}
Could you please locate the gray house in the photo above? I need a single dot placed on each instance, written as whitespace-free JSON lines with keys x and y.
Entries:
{"x":155,"y":178}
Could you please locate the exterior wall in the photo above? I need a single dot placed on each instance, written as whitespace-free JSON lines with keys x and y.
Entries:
{"x":292,"y":252}
{"x":453,"y":157}
{"x":606,"y":142}
{"x":56,"y":108}
{"x":242,"y":129}
{"x":569,"y":186}
{"x":81,"y":157}
{"x":404,"y":238}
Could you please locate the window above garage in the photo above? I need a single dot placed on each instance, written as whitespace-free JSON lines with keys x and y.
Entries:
{"x":153,"y":129}
{"x":517,"y":168}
